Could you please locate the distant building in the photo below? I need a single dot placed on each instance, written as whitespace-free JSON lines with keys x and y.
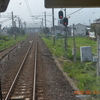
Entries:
{"x":88,"y":28}
{"x":4,"y":31}
{"x":60,"y":23}
{"x":79,"y":30}
{"x":96,"y":24}
{"x":97,"y":20}
{"x":58,"y":30}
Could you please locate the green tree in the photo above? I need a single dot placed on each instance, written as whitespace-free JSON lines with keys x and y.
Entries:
{"x":95,"y":28}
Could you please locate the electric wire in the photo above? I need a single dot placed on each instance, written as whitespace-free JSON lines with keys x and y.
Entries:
{"x":74,"y":12}
{"x":27,"y":4}
{"x":66,"y":15}
{"x":5,"y":20}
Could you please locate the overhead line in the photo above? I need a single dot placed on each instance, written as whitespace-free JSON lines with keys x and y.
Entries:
{"x":27,"y":4}
{"x":66,"y":15}
{"x":75,"y":11}
{"x":5,"y":20}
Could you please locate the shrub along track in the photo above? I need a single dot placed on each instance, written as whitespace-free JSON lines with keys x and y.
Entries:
{"x":4,"y":51}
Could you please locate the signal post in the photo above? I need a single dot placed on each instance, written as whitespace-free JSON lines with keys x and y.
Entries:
{"x":65,"y":23}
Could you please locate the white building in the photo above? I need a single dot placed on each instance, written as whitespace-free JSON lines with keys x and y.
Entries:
{"x":4,"y":31}
{"x":60,"y":23}
{"x":79,"y":30}
{"x":57,"y":30}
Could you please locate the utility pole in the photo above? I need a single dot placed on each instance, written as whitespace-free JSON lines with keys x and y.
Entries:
{"x":53,"y":29}
{"x":98,"y":50}
{"x":14,"y":30}
{"x":12,"y":23}
{"x":19,"y":24}
{"x":0,"y":28}
{"x":42,"y":24}
{"x":0,"y":24}
{"x":98,"y":64}
{"x":66,"y":45}
{"x":45,"y":22}
{"x":45,"y":18}
{"x":25,"y":27}
{"x":74,"y":58}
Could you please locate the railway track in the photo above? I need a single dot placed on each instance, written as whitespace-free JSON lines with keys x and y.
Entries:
{"x":5,"y":52}
{"x":25,"y":82}
{"x":37,"y":78}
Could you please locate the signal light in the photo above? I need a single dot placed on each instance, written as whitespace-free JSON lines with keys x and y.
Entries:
{"x":60,"y":14}
{"x":61,"y":17}
{"x":65,"y":21}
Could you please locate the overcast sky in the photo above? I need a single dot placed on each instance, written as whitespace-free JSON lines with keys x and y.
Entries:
{"x":21,"y":9}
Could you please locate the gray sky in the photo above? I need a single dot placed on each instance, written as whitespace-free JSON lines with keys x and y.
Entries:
{"x":20,"y":8}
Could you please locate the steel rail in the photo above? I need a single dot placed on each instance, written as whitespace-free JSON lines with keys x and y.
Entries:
{"x":11,"y":49}
{"x":10,"y":90}
{"x":34,"y":86}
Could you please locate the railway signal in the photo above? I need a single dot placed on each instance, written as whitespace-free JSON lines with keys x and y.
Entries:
{"x":65,"y":21}
{"x":60,"y":14}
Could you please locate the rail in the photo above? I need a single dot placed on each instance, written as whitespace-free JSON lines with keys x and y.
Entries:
{"x":11,"y":88}
{"x":34,"y":86}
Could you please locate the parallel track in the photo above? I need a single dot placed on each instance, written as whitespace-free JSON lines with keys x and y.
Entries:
{"x":23,"y":82}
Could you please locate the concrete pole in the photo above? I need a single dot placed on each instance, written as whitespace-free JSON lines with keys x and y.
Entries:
{"x":42,"y":24}
{"x":0,"y":24}
{"x":98,"y":63}
{"x":74,"y":58}
{"x":25,"y":27}
{"x":53,"y":29}
{"x":45,"y":18}
{"x":0,"y":29}
{"x":19,"y":24}
{"x":66,"y":45}
{"x":12,"y":23}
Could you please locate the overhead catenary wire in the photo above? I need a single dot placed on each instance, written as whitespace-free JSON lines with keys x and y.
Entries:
{"x":27,"y":4}
{"x":5,"y":20}
{"x":66,"y":15}
{"x":74,"y":12}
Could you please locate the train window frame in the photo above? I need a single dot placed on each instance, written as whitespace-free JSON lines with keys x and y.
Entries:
{"x":71,"y":3}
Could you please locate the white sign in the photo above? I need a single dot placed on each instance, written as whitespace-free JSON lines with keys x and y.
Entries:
{"x":92,"y":34}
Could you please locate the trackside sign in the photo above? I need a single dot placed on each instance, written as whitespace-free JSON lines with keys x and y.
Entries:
{"x":92,"y":34}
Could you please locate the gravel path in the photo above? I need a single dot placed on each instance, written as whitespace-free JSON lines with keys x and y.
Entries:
{"x":57,"y":87}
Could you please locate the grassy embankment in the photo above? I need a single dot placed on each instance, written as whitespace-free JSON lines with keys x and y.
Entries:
{"x":8,"y":41}
{"x":83,"y":72}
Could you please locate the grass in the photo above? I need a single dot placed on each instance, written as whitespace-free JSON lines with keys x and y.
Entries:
{"x":81,"y":41}
{"x":7,"y":42}
{"x":83,"y":72}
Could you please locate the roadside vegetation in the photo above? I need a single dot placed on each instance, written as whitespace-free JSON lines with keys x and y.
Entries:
{"x":8,"y":41}
{"x":84,"y":73}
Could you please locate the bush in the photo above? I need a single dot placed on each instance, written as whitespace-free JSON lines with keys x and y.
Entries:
{"x":83,"y":72}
